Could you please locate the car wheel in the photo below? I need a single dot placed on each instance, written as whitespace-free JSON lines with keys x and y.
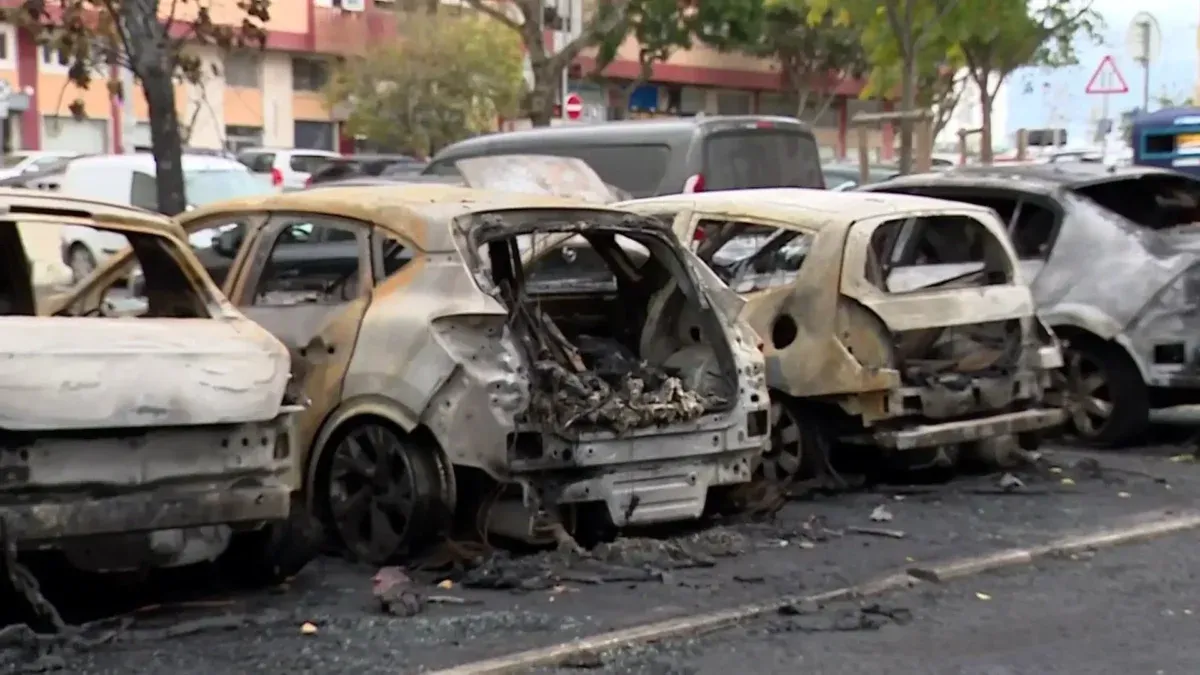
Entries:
{"x":273,"y":554}
{"x":382,"y":492}
{"x":788,"y":456}
{"x":81,"y":262}
{"x":1103,"y":393}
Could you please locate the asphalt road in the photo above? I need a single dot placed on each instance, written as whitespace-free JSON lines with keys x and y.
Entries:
{"x":534,"y":601}
{"x":1121,"y":611}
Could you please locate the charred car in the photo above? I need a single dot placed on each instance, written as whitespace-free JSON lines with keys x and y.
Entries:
{"x":867,"y":344}
{"x":1111,"y":258}
{"x":451,"y":369}
{"x":150,"y":442}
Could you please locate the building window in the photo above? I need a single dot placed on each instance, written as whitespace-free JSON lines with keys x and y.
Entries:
{"x":8,"y":47}
{"x":309,"y":74}
{"x":314,"y":135}
{"x":237,"y":137}
{"x":54,"y":59}
{"x":242,"y":70}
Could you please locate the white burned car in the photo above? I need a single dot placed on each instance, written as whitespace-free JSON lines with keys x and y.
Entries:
{"x":155,"y":441}
{"x":868,"y":341}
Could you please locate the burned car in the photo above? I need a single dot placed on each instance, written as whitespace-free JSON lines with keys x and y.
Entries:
{"x":867,"y":343}
{"x":452,"y":371}
{"x":1111,"y":258}
{"x":150,"y":442}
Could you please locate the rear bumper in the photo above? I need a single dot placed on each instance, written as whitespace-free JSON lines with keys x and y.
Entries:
{"x":39,"y":524}
{"x":966,"y":431}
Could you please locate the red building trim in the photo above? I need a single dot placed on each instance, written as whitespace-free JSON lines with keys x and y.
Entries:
{"x":27,"y":80}
{"x":698,"y":76}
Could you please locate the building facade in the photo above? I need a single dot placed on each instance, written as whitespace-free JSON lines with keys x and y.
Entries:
{"x":273,"y":96}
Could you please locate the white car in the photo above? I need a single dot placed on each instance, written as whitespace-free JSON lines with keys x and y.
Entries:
{"x":287,"y":169}
{"x":32,"y":161}
{"x":130,"y":180}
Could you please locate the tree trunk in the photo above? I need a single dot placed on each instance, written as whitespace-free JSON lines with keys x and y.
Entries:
{"x":908,"y":103}
{"x":985,"y":127}
{"x":540,"y":102}
{"x":164,"y":137}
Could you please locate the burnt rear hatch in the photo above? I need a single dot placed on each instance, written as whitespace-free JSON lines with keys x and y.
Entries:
{"x":608,"y":315}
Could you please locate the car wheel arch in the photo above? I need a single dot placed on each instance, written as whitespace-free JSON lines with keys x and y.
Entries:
{"x":380,"y":409}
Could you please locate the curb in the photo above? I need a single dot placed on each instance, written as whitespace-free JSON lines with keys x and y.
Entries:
{"x":1151,"y":524}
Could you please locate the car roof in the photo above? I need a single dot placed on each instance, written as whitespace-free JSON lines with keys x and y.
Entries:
{"x":624,"y":132}
{"x":293,"y":151}
{"x":420,"y":213}
{"x":813,"y":209}
{"x":145,"y":162}
{"x":108,"y":214}
{"x":1036,"y":177}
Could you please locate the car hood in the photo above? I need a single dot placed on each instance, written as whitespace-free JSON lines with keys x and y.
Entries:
{"x":536,"y":174}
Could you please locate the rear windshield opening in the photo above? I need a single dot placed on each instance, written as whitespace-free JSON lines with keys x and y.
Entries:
{"x":941,"y":251}
{"x":1157,"y":201}
{"x":761,"y":158}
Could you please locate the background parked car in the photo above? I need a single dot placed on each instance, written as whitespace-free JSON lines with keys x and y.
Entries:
{"x":657,"y":157}
{"x":286,"y":169}
{"x":32,"y":161}
{"x":366,"y":165}
{"x":130,"y":180}
{"x":841,"y":177}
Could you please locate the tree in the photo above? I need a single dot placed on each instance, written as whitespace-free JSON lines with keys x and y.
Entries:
{"x":996,"y":38}
{"x":530,"y":19}
{"x":813,"y":53}
{"x":447,"y":76}
{"x":897,"y":36}
{"x":96,"y":35}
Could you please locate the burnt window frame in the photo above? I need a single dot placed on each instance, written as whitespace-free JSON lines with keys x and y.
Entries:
{"x":267,"y":239}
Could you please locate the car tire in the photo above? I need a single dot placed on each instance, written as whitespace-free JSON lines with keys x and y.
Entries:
{"x":1107,"y":401}
{"x":385,"y":511}
{"x":274,"y":553}
{"x":80,"y":261}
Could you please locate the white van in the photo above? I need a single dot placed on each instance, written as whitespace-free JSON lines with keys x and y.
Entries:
{"x":129,"y":179}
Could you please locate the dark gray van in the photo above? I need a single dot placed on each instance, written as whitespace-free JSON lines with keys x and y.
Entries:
{"x":667,"y":156}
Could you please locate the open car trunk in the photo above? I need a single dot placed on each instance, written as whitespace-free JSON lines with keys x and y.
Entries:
{"x":605,"y":310}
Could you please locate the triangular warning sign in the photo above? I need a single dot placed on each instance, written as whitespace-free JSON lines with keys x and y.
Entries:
{"x":1107,"y":79}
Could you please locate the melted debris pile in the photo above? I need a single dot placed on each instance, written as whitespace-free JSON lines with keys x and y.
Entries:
{"x":608,"y":387}
{"x":625,"y":560}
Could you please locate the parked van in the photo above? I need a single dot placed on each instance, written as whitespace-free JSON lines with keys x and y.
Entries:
{"x":130,"y":180}
{"x":658,"y":157}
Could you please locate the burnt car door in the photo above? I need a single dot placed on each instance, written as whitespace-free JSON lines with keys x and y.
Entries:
{"x":307,"y":279}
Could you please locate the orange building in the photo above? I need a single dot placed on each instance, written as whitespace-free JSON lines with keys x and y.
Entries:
{"x":272,"y":97}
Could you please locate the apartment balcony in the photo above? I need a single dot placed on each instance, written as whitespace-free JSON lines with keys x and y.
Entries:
{"x":347,"y":33}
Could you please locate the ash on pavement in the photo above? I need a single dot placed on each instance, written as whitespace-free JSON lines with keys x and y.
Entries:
{"x":808,"y":546}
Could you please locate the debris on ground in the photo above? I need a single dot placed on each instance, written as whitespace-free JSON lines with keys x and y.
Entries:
{"x":1010,"y":482}
{"x":626,"y":560}
{"x":877,"y":532}
{"x":396,"y":593}
{"x":881,"y":515}
{"x":806,"y":617}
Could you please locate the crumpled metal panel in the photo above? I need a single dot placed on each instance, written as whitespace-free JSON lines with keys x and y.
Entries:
{"x":91,"y":373}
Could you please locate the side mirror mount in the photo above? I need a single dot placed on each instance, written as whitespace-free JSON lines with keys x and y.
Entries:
{"x":227,"y":243}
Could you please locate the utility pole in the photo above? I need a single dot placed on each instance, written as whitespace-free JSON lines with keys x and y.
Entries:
{"x":1144,"y":41}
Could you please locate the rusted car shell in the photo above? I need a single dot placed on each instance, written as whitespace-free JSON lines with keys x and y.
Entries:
{"x":428,"y":356}
{"x":842,"y":353}
{"x":1104,"y":275}
{"x":147,"y":430}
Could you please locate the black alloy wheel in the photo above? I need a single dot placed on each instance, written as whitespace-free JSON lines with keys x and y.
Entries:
{"x":382,"y":493}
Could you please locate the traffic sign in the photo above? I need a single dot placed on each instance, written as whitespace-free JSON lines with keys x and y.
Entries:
{"x":1107,"y":79}
{"x":574,"y":106}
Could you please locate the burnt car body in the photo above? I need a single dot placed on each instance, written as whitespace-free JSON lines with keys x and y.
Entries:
{"x":1111,"y":258}
{"x":155,"y":442}
{"x":861,"y":347}
{"x":446,"y":373}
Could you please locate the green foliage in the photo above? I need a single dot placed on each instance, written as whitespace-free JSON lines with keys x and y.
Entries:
{"x":813,"y":53}
{"x":995,"y":37}
{"x":447,"y":76}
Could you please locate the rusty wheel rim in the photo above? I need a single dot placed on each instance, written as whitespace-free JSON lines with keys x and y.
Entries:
{"x":1082,"y":384}
{"x":784,"y":460}
{"x":372,"y":493}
